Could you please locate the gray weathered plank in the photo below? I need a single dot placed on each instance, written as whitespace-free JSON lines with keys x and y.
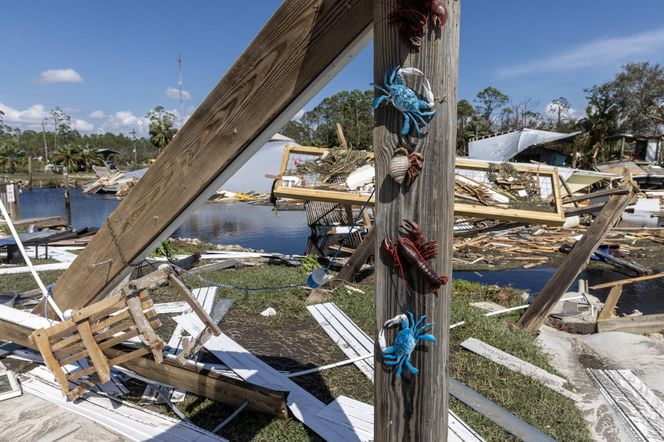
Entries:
{"x":505,"y":359}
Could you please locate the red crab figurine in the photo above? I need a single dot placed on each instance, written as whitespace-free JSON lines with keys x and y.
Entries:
{"x":413,"y":251}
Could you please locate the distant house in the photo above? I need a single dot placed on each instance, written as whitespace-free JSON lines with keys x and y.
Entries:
{"x":639,"y":148}
{"x":523,"y":145}
{"x":106,"y":153}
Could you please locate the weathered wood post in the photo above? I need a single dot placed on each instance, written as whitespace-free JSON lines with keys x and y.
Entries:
{"x":415,"y":408}
{"x":9,"y":195}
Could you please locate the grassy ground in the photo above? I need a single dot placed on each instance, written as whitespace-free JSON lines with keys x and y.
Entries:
{"x":292,"y":340}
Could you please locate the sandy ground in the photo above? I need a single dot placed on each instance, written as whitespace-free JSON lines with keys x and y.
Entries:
{"x":29,"y":418}
{"x":572,"y":354}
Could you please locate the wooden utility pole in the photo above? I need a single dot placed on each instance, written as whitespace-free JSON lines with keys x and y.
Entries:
{"x":415,"y":407}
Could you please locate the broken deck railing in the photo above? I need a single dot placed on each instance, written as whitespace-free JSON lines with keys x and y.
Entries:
{"x":480,"y":180}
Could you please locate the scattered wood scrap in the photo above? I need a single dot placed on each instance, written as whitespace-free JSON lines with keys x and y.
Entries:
{"x":352,"y":340}
{"x":94,"y":329}
{"x":554,"y":382}
{"x":574,"y":263}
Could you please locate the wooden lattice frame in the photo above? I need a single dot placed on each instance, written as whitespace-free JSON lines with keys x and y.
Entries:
{"x":94,"y":329}
{"x":555,"y":218}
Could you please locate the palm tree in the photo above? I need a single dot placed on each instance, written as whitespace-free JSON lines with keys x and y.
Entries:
{"x":162,"y":127}
{"x":68,"y":156}
{"x":161,"y":132}
{"x":90,"y":157}
{"x":9,"y":156}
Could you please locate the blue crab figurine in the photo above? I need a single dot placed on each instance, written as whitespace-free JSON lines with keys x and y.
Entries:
{"x":405,"y":342}
{"x":405,"y":100}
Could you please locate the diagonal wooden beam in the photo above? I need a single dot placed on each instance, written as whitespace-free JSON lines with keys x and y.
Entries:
{"x":302,"y":47}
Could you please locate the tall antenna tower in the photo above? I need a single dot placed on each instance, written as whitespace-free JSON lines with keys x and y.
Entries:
{"x":180,"y":89}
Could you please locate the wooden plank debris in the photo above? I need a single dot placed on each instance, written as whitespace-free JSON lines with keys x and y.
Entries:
{"x":205,"y":296}
{"x":358,"y":259}
{"x":552,"y":381}
{"x":653,"y":323}
{"x":497,"y":414}
{"x":94,"y":329}
{"x":132,"y":422}
{"x":635,"y":404}
{"x":303,"y":45}
{"x":302,"y":404}
{"x":574,"y":263}
{"x":352,"y":340}
{"x":610,"y":303}
{"x":607,"y":285}
{"x":205,"y":380}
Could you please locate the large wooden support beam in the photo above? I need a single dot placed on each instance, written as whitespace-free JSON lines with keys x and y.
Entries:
{"x":303,"y":45}
{"x":16,"y":326}
{"x":574,"y":263}
{"x":415,"y":407}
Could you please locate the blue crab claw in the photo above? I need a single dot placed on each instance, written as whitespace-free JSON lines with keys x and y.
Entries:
{"x":393,"y":75}
{"x":400,"y":369}
{"x":427,"y":337}
{"x":411,"y":368}
{"x":377,"y":102}
{"x":406,"y":125}
{"x":420,"y":321}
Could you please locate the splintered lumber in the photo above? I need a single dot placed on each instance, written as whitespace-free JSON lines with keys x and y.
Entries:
{"x":497,"y":414}
{"x":606,"y":285}
{"x":574,"y":263}
{"x":416,"y":409}
{"x":93,"y":330}
{"x":16,"y":326}
{"x":634,"y":403}
{"x":598,"y":194}
{"x":555,"y":383}
{"x":637,"y":268}
{"x":195,"y":306}
{"x":641,"y":324}
{"x":610,"y":303}
{"x":358,"y":259}
{"x":303,"y":45}
{"x":303,"y":405}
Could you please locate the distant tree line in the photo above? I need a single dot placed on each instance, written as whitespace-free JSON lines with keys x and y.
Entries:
{"x":67,"y":147}
{"x":632,"y":102}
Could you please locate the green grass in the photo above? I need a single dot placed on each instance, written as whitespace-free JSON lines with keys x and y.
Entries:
{"x":292,"y":340}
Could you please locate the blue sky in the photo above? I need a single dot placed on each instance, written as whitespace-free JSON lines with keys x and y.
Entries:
{"x":108,"y":63}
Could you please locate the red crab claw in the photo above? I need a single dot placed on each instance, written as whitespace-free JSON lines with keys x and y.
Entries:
{"x":412,"y":229}
{"x":429,"y":250}
{"x":439,"y":12}
{"x":391,"y":249}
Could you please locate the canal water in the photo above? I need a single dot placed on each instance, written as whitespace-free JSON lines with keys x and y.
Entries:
{"x":287,"y":232}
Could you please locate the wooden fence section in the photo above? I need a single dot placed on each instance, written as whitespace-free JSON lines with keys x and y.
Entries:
{"x":303,"y":45}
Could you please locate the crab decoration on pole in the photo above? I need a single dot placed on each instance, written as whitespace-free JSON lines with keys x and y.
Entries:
{"x":413,"y":250}
{"x":405,"y":166}
{"x":413,"y":109}
{"x":413,"y":18}
{"x":407,"y":338}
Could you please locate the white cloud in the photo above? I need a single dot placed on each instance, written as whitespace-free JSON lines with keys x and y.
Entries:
{"x":123,"y":122}
{"x":82,"y":126}
{"x":98,"y":115}
{"x":298,"y":116}
{"x":29,"y":118}
{"x":602,"y":52}
{"x":174,"y":93}
{"x":60,"y":76}
{"x":551,"y":111}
